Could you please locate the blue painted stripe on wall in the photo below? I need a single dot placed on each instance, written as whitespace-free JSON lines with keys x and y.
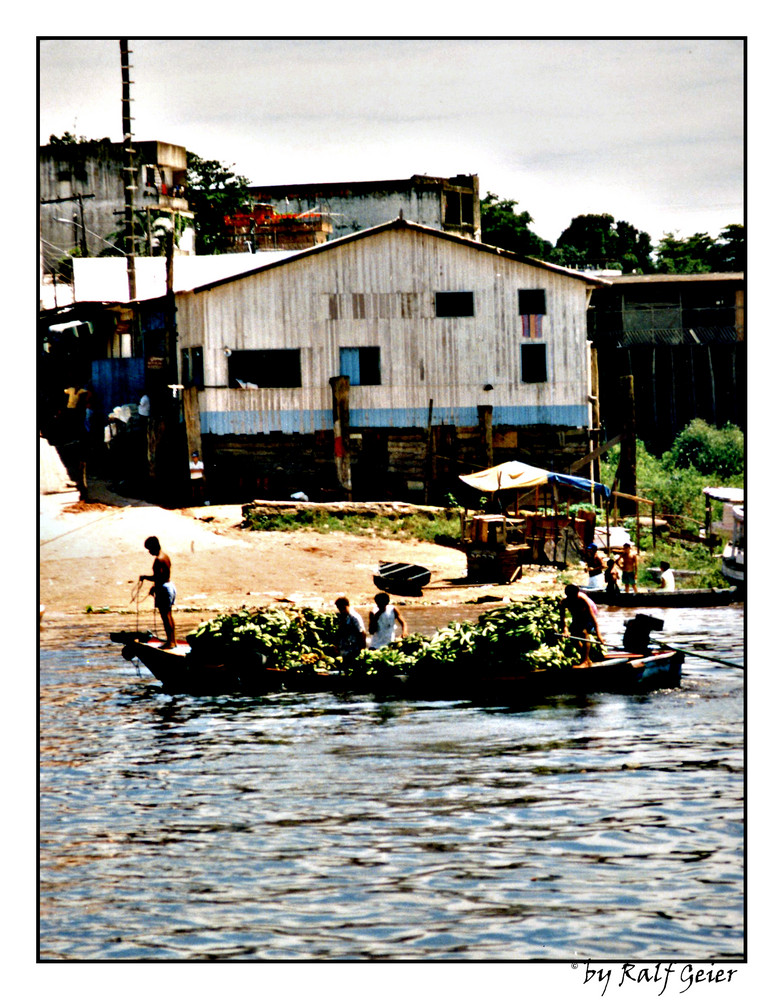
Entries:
{"x":299,"y":422}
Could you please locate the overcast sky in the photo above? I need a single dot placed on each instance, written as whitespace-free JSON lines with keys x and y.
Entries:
{"x":650,"y":131}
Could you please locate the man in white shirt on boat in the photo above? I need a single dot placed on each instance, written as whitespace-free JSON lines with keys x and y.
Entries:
{"x":383,"y":623}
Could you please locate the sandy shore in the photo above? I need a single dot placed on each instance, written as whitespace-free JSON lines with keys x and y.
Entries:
{"x":91,"y":555}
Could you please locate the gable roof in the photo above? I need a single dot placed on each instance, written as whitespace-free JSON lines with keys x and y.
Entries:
{"x":415,"y":227}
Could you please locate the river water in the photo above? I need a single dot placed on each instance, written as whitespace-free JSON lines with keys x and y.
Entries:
{"x":307,"y":827}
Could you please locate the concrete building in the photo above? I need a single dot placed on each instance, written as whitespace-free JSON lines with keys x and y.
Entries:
{"x":450,"y":204}
{"x":82,"y":197}
{"x":455,"y":354}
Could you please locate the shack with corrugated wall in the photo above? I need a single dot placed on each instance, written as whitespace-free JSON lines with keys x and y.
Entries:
{"x":409,"y":353}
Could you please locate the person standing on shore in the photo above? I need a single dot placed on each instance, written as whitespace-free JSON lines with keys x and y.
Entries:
{"x":383,"y":622}
{"x":196,"y":467}
{"x":162,"y":588}
{"x":628,"y":564}
{"x":667,"y":578}
{"x":595,"y":566}
{"x":611,"y":575}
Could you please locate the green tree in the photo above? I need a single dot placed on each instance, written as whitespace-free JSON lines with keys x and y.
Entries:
{"x":729,"y":250}
{"x":214,"y":191}
{"x":599,"y":241}
{"x":503,"y":227}
{"x":684,"y":255}
{"x":69,"y":139}
{"x":634,"y":247}
{"x":711,"y":450}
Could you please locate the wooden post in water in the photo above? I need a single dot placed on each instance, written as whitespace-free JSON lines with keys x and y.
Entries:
{"x":340,"y":424}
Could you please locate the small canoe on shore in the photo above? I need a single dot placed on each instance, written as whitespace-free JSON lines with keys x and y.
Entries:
{"x":181,"y":672}
{"x":406,"y":579}
{"x":708,"y":598}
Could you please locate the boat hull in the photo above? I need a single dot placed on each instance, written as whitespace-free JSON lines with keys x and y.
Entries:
{"x":622,"y":674}
{"x":713,"y":598}
{"x":405,"y":579}
{"x":180,"y":672}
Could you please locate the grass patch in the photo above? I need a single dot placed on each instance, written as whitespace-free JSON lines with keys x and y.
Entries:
{"x":439,"y":529}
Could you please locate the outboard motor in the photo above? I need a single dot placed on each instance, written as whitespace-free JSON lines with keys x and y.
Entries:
{"x":637,"y":635}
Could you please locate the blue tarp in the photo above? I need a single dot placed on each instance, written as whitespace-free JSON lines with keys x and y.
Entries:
{"x":575,"y":482}
{"x":520,"y":476}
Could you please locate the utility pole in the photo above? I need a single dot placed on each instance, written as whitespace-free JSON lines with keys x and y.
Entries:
{"x":129,"y":173}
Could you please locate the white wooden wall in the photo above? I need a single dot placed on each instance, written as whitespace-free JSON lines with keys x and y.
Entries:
{"x":379,"y":290}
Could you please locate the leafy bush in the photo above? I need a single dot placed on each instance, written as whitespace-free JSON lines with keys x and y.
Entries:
{"x":674,"y":483}
{"x":710,"y":450}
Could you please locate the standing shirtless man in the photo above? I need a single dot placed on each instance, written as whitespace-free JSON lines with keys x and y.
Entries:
{"x":585,"y":620}
{"x":162,"y":588}
{"x":628,"y":563}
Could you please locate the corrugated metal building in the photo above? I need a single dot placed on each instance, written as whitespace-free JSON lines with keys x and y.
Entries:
{"x":681,"y":337}
{"x":432,"y":330}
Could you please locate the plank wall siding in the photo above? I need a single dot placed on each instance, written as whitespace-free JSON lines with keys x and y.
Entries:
{"x":378,"y":291}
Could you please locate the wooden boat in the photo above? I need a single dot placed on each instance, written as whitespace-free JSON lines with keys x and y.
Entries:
{"x":406,"y":579}
{"x":705,"y":598}
{"x":630,"y":673}
{"x":182,"y":671}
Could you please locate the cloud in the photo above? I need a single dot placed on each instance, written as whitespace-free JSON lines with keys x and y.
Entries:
{"x":650,"y":123}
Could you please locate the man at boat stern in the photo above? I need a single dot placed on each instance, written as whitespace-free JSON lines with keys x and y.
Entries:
{"x":584,"y":620}
{"x":162,"y":588}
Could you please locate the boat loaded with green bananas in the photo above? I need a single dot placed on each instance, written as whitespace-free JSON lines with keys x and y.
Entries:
{"x":516,"y":638}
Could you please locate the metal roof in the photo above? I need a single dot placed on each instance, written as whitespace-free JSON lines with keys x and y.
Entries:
{"x":643,"y":279}
{"x":404,"y":224}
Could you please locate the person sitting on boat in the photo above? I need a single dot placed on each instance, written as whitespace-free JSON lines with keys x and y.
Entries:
{"x":351,"y":636}
{"x":611,"y":577}
{"x":667,"y":578}
{"x":595,"y":568}
{"x":162,"y":588}
{"x":628,"y":562}
{"x":383,"y":623}
{"x":584,"y":622}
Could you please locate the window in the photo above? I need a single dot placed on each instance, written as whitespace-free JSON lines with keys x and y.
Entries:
{"x":192,"y":367}
{"x":271,"y":369}
{"x":459,"y":208}
{"x":532,"y":306}
{"x":454,"y":303}
{"x":532,"y":301}
{"x":361,"y":364}
{"x":534,"y":362}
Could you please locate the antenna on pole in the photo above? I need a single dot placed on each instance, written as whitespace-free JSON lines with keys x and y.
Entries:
{"x":129,"y":173}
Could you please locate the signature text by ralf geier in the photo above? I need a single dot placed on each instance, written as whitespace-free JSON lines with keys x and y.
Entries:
{"x":669,"y":974}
